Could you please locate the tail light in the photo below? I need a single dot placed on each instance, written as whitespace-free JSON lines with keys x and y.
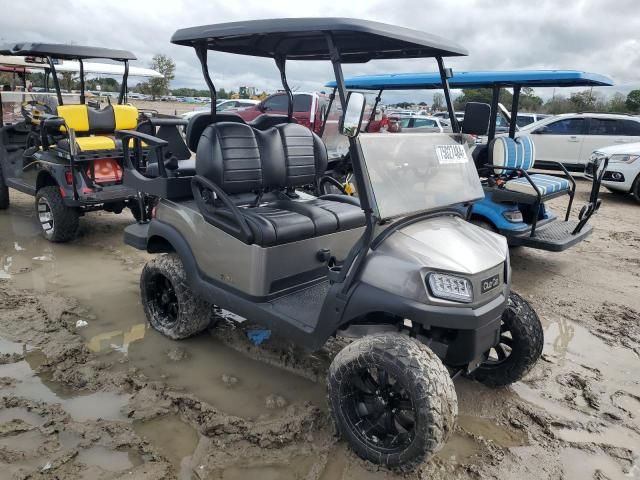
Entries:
{"x":68,"y":176}
{"x":105,"y":170}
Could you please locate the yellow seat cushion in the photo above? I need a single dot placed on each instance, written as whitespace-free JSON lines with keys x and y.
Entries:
{"x":126,"y":117}
{"x":75,"y":116}
{"x":86,"y":144}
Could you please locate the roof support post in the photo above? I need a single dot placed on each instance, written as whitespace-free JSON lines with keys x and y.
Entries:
{"x":122,"y":98}
{"x":281,"y":61}
{"x":201,"y":52}
{"x":373,"y":110}
{"x":514,"y":111}
{"x":56,"y":83}
{"x":352,"y":264}
{"x":495,"y":98}
{"x":327,"y":111}
{"x":82,"y":99}
{"x":444,"y":77}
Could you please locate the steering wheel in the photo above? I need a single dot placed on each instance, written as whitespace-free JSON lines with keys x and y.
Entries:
{"x":32,"y":109}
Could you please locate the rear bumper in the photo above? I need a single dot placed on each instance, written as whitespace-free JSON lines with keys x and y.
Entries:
{"x":554,"y":236}
{"x":108,"y":194}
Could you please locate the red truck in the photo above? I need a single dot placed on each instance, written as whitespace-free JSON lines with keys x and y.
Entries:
{"x":308,"y":108}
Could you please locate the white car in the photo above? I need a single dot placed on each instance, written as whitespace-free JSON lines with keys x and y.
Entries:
{"x":222,"y":105}
{"x":525,"y":119}
{"x":421,"y":123}
{"x":623,"y":172}
{"x":570,"y":138}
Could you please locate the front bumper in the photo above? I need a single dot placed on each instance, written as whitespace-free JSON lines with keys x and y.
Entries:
{"x":457,"y":334}
{"x":618,"y":176}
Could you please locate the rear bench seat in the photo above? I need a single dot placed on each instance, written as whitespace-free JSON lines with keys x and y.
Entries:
{"x":268,"y":165}
{"x":95,"y":128}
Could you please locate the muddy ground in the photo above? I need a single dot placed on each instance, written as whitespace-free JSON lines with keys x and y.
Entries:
{"x":88,"y":390}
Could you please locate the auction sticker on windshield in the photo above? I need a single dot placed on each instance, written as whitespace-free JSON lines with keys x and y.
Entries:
{"x":451,"y":154}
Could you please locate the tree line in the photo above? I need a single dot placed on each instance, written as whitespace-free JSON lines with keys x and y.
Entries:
{"x":583,"y":101}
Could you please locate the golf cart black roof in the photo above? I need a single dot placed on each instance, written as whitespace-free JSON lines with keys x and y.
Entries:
{"x":64,"y":52}
{"x":358,"y":41}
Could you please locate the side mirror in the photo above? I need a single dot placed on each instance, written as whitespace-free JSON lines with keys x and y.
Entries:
{"x":352,"y":118}
{"x":541,"y":130}
{"x":476,"y":118}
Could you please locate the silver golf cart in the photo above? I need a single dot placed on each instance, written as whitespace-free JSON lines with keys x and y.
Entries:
{"x":425,"y":293}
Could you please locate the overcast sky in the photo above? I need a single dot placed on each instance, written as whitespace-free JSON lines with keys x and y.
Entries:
{"x":600,"y":36}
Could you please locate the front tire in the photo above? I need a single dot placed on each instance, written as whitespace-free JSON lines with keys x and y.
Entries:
{"x":521,"y":343}
{"x":635,"y":189}
{"x":169,"y":304}
{"x":392,"y":399}
{"x":59,"y":223}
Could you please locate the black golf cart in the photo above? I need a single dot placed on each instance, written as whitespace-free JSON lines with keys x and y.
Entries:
{"x":61,"y":148}
{"x":425,"y":293}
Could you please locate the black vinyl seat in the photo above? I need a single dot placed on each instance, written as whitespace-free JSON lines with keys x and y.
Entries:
{"x":263,"y":168}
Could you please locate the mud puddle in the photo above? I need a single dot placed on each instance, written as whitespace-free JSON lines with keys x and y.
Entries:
{"x":105,"y":282}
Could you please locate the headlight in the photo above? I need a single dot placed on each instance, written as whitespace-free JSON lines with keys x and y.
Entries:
{"x":623,"y":158}
{"x":450,"y":287}
{"x":513,"y":216}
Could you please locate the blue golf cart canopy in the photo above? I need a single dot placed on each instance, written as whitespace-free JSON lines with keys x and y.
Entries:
{"x":477,"y":79}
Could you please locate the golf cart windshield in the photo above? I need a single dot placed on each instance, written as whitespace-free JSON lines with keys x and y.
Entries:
{"x":419,"y":172}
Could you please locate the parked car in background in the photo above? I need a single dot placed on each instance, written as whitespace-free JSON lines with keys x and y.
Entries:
{"x":571,"y":138}
{"x":223,"y":105}
{"x":308,"y":108}
{"x":445,"y":115}
{"x":421,"y":123}
{"x":239,"y":103}
{"x":525,"y":119}
{"x":623,"y":171}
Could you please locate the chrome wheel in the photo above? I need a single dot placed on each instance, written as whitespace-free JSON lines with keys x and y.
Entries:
{"x":45,"y":215}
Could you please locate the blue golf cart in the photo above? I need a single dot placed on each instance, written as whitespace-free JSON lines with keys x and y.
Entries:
{"x":515,"y":197}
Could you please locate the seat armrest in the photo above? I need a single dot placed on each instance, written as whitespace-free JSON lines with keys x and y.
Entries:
{"x":238,"y":227}
{"x":155,"y":143}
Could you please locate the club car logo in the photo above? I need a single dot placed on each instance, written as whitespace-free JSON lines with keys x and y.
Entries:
{"x":448,"y":154}
{"x":490,"y":283}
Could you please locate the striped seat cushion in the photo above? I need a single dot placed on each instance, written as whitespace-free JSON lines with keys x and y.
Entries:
{"x":513,"y":153}
{"x":547,"y":184}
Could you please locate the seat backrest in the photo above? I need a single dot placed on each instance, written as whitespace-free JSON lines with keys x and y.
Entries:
{"x":202,"y":120}
{"x":266,"y":120}
{"x":241,"y":159}
{"x":88,"y":120}
{"x":507,"y":152}
{"x":228,"y":155}
{"x":305,"y":155}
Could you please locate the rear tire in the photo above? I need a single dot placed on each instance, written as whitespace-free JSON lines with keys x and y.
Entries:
{"x":392,"y":399}
{"x":59,"y":223}
{"x":521,"y":343}
{"x":169,"y":304}
{"x":4,"y":192}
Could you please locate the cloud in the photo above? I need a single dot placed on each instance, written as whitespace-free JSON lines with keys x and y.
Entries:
{"x":576,"y":34}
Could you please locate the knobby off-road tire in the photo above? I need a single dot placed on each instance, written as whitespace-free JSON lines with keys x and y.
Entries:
{"x":4,"y":192}
{"x":392,"y":399}
{"x":521,"y":343}
{"x":169,"y":304}
{"x":59,"y":223}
